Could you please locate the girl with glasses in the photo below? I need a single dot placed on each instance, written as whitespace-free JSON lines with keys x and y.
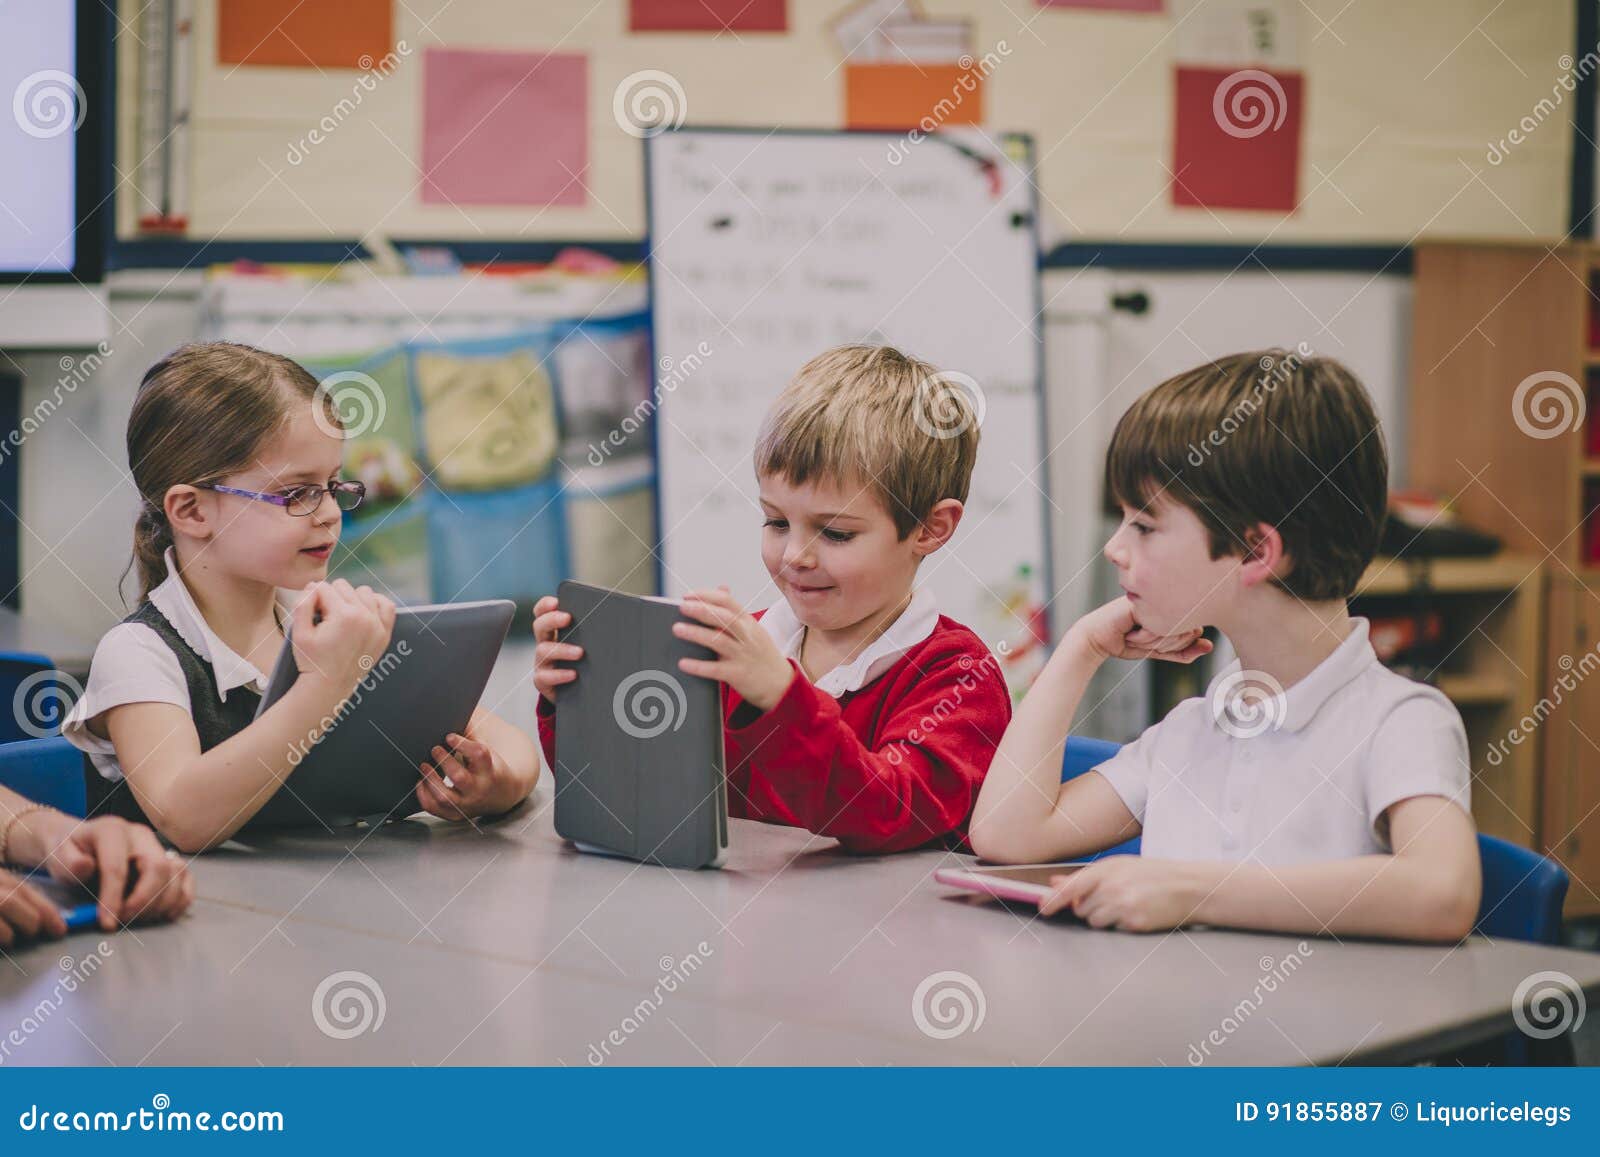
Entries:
{"x":236,"y":454}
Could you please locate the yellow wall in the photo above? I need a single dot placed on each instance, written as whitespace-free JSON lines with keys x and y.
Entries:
{"x":1403,"y":98}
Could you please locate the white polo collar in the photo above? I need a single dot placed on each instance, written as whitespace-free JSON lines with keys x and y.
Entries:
{"x":172,"y":599}
{"x":914,"y":625}
{"x":1294,"y":708}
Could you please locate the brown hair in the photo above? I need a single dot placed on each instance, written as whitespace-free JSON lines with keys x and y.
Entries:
{"x":1276,"y":437}
{"x":202,"y":413}
{"x":876,"y":414}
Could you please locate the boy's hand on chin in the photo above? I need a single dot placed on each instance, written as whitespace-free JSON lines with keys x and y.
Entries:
{"x":1113,"y":632}
{"x":747,"y":658}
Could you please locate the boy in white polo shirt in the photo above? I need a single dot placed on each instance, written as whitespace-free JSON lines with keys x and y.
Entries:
{"x":1311,"y":789}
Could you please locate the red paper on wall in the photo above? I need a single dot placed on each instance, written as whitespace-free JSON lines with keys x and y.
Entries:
{"x":707,"y":15}
{"x":1236,"y":143}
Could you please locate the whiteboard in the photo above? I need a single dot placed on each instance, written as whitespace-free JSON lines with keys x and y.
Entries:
{"x":769,"y":247}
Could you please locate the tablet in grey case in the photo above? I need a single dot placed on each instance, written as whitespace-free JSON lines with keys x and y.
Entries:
{"x":421,"y":689}
{"x":639,"y":763}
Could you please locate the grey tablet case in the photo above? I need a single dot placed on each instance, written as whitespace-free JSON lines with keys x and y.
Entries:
{"x":421,"y":689}
{"x":639,"y":761}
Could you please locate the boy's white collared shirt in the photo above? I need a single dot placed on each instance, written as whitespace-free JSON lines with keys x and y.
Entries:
{"x":132,"y":664}
{"x":914,"y":625}
{"x":1307,"y":777}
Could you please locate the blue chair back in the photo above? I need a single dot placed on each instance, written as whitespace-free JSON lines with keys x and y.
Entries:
{"x":32,"y":700}
{"x":1522,"y":893}
{"x":1522,"y":890}
{"x":47,"y":771}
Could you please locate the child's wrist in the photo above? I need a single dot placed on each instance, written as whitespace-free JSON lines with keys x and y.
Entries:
{"x":772,"y":691}
{"x":1078,"y":647}
{"x":35,"y":835}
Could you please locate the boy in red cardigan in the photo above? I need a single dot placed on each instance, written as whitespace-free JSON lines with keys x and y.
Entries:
{"x":852,"y":708}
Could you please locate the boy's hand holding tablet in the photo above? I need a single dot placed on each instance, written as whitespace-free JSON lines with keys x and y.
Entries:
{"x":747,"y":658}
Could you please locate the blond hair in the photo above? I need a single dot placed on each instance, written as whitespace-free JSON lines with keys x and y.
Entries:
{"x":880,"y":416}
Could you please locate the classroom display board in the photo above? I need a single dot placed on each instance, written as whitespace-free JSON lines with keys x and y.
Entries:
{"x":769,"y":247}
{"x":501,"y":453}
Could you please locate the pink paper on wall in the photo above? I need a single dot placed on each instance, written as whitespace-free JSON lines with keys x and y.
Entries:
{"x":1107,"y":5}
{"x":504,"y":128}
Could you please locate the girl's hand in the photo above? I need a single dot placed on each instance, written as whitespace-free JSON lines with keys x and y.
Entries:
{"x":548,"y":619}
{"x":25,"y":914}
{"x":139,"y":880}
{"x":339,"y":649}
{"x":1113,"y":632}
{"x":747,"y":658}
{"x":1127,"y":892}
{"x":480,"y":782}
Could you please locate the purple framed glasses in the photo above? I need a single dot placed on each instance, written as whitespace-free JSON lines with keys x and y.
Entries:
{"x":300,"y":501}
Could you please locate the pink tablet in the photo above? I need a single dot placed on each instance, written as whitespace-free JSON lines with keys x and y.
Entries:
{"x":1028,"y":883}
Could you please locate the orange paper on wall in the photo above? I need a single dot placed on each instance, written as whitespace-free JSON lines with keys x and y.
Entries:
{"x":294,"y":34}
{"x":901,"y":96}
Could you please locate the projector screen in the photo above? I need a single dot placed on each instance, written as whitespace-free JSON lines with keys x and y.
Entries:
{"x":40,"y":140}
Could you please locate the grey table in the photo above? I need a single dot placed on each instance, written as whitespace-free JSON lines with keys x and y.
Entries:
{"x":424,"y":943}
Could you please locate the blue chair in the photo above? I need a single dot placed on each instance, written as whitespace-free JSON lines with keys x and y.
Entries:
{"x":38,"y":703}
{"x":1084,"y":755}
{"x":48,"y":771}
{"x":1522,"y":890}
{"x":1522,"y":893}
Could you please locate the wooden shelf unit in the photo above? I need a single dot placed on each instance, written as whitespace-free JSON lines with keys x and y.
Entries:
{"x":1490,"y":319}
{"x":1493,"y":612}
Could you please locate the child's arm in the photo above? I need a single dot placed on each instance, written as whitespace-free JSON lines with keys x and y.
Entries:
{"x":138,"y":880}
{"x":1025,"y":814}
{"x":807,"y":766}
{"x":198,"y":799}
{"x":491,"y":769}
{"x":548,"y":673}
{"x":1428,"y":889}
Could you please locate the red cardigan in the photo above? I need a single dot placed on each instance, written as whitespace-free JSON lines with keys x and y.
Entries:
{"x":892,"y":766}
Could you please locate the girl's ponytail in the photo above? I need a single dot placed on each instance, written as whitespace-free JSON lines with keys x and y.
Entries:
{"x":151,"y":537}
